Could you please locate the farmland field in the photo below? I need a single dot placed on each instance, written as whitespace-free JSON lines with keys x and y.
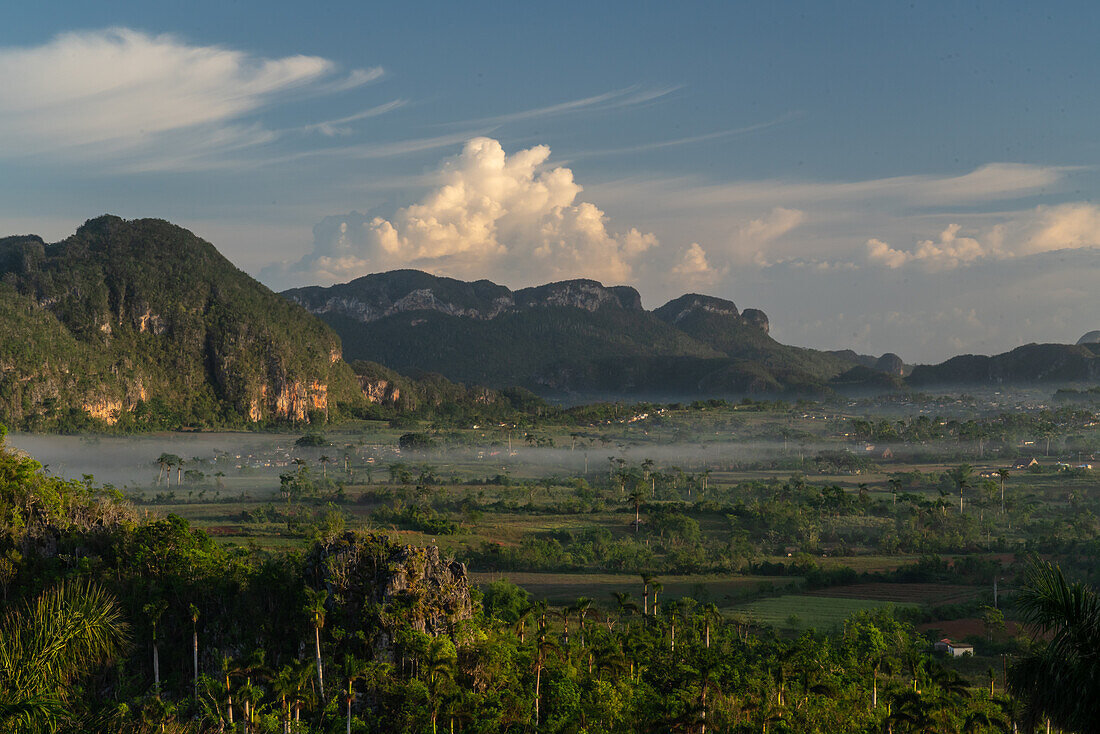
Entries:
{"x":807,"y":611}
{"x":565,"y":588}
{"x":904,"y":594}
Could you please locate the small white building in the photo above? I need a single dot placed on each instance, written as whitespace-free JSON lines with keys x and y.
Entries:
{"x":952,"y":648}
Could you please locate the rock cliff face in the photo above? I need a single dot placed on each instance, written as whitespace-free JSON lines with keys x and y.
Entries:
{"x":675,"y":311}
{"x":378,"y":296}
{"x":587,"y":295}
{"x":1093,"y":337}
{"x":757,"y":318}
{"x":399,"y":586}
{"x":574,"y":336}
{"x":144,"y":324}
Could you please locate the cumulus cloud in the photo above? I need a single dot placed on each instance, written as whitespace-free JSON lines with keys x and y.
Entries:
{"x":108,"y":94}
{"x":693,"y":269}
{"x":490,"y":214}
{"x":1043,"y":229}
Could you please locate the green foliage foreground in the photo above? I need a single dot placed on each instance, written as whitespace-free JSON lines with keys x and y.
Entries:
{"x":119,"y":623}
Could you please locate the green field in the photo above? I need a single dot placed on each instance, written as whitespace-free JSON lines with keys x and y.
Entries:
{"x":566,"y":588}
{"x":810,"y":612}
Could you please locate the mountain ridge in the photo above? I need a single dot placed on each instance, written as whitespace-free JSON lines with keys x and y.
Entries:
{"x":143,"y":324}
{"x":570,"y":336}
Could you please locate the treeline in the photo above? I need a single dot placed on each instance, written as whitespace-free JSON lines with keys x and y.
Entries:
{"x":114,"y":622}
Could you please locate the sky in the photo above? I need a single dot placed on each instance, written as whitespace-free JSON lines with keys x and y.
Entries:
{"x":913,"y":178}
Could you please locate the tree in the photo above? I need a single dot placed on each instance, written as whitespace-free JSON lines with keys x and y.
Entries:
{"x":64,"y":634}
{"x":960,"y":476}
{"x":315,"y":609}
{"x":164,"y":461}
{"x":1003,"y":474}
{"x":195,"y":645}
{"x":1060,"y":678}
{"x":153,"y":611}
{"x":543,"y":647}
{"x":895,"y":485}
{"x":441,"y":659}
{"x":353,"y":669}
{"x":647,"y":579}
{"x":637,"y":494}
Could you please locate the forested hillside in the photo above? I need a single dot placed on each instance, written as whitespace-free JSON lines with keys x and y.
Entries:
{"x":115,"y":622}
{"x":141,"y":324}
{"x":571,"y":337}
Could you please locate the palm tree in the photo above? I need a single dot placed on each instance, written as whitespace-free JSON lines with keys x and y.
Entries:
{"x":710,"y":613}
{"x":164,"y":461}
{"x":253,"y":666}
{"x":543,"y":647}
{"x":895,"y":485}
{"x":657,"y":589}
{"x":315,"y":608}
{"x":154,"y":610}
{"x":637,"y":494}
{"x":960,"y":475}
{"x":46,"y":644}
{"x":622,"y":599}
{"x":647,"y":579}
{"x":1059,"y":680}
{"x":195,"y":645}
{"x":583,"y":605}
{"x":285,"y":685}
{"x":353,"y":669}
{"x":1003,"y":474}
{"x":229,"y":668}
{"x":441,"y":660}
{"x":324,"y":466}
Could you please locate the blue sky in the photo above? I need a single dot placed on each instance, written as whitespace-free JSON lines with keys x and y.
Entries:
{"x":918,"y":179}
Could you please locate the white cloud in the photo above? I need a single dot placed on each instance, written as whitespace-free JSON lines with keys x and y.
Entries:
{"x":123,"y":95}
{"x":986,"y":183}
{"x":693,"y":269}
{"x":753,"y":239}
{"x":1043,"y":229}
{"x":490,"y":214}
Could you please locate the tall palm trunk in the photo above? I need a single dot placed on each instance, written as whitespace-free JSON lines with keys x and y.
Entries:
{"x":156,"y":667}
{"x":320,"y":676}
{"x":538,"y":680}
{"x":229,"y":699}
{"x":703,"y":728}
{"x":195,"y":658}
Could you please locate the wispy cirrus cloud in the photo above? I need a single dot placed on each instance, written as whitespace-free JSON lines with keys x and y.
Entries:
{"x":139,"y":101}
{"x":632,"y":96}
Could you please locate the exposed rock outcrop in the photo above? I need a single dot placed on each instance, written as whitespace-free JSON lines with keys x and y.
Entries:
{"x":1093,"y":337}
{"x":891,"y":364}
{"x":680,"y":308}
{"x":375,"y":297}
{"x":143,"y":323}
{"x":757,"y":318}
{"x":400,"y":586}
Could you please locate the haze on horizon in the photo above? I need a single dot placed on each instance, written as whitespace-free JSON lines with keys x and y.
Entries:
{"x":915,"y":180}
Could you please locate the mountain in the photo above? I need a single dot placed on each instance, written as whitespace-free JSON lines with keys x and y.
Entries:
{"x":1031,"y":363}
{"x":574,"y":336}
{"x":141,"y":324}
{"x":1093,"y":337}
